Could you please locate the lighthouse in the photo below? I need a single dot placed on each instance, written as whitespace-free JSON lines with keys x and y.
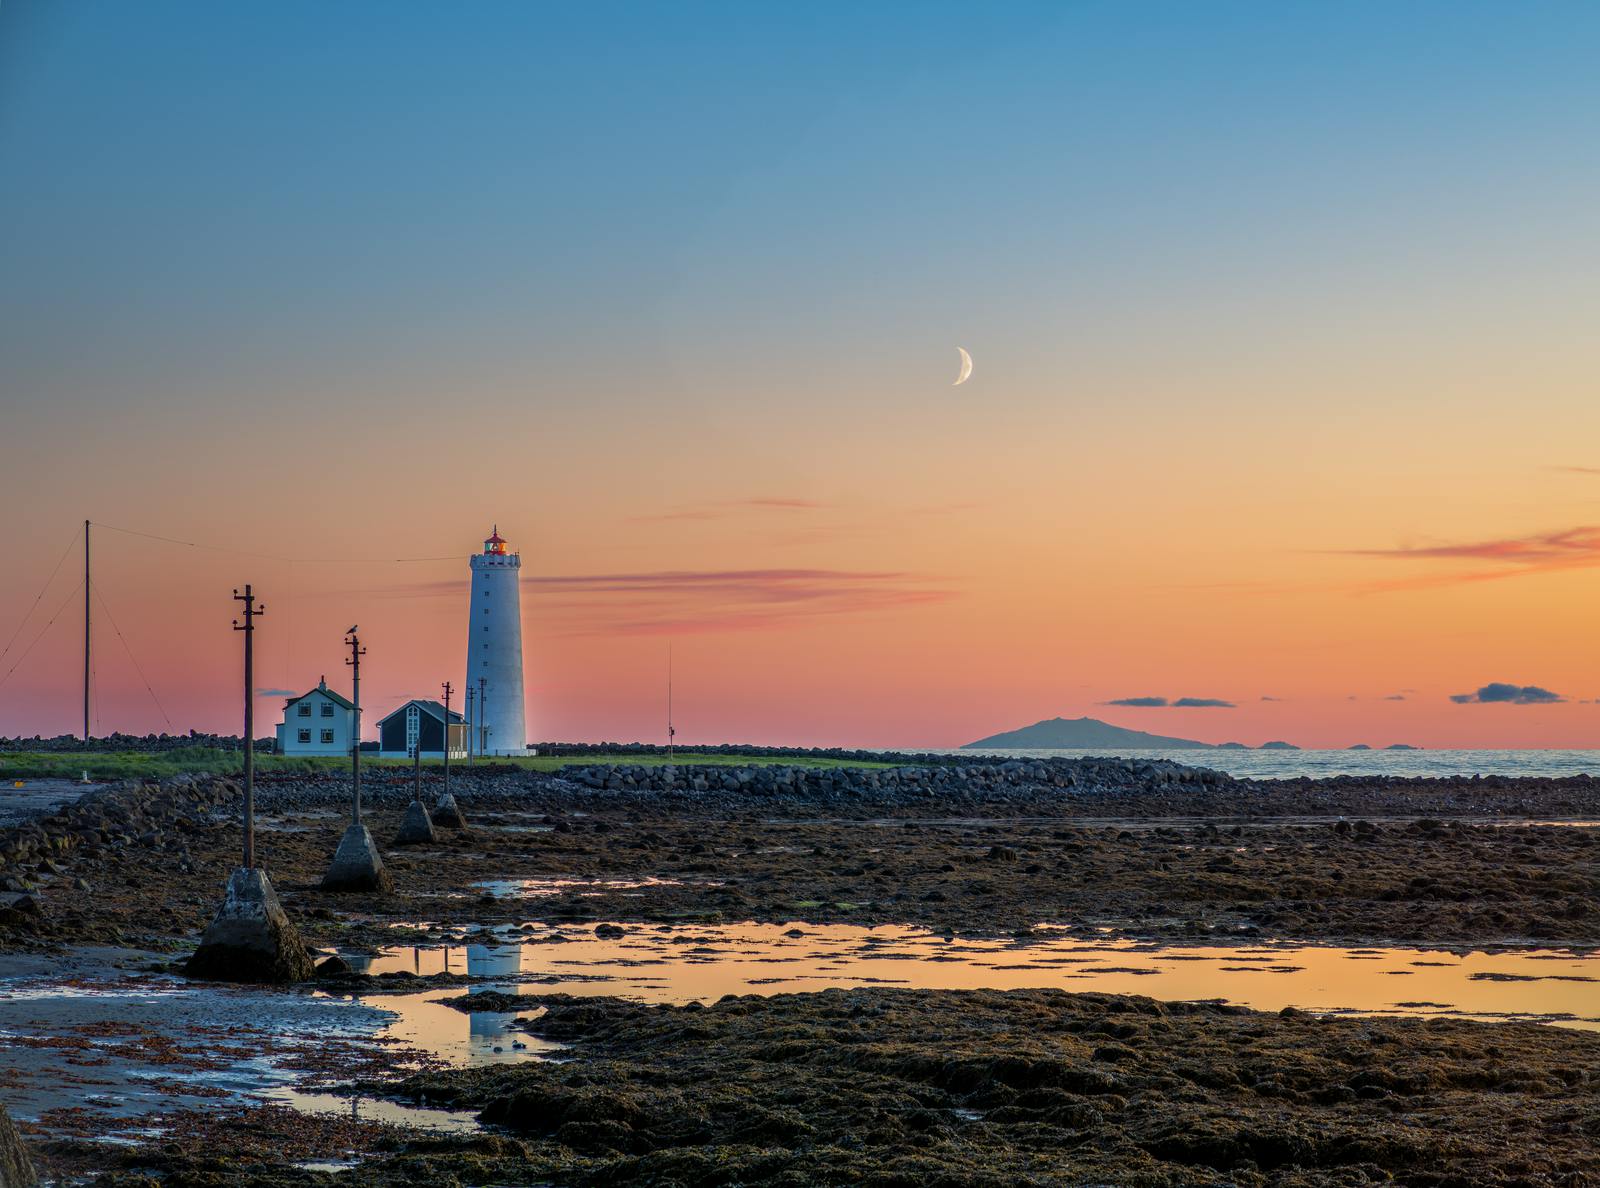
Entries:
{"x":494,"y":650}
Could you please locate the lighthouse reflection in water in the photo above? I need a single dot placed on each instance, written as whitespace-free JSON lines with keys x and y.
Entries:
{"x":490,"y":1032}
{"x":423,"y":1020}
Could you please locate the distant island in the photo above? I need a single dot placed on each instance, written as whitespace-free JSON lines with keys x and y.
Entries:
{"x":1055,"y":733}
{"x":1083,"y":732}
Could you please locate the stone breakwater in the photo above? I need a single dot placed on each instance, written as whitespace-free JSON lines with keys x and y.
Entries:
{"x":971,"y":778}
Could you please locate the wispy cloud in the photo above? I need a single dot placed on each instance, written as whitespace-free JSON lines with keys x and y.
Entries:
{"x":722,"y":509}
{"x":1576,"y":469}
{"x":276,"y":693}
{"x":1172,"y":703}
{"x":683,"y":601}
{"x":1504,"y":693}
{"x":1513,"y":556}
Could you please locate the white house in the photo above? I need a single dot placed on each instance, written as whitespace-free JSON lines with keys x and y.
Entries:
{"x":317,"y":723}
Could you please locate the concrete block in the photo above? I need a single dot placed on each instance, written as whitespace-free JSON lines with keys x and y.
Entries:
{"x":416,"y":827}
{"x":447,"y":813}
{"x":16,"y":1169}
{"x":357,"y":865}
{"x":252,"y":938}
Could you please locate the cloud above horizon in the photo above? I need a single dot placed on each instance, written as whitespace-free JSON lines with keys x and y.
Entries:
{"x":1515,"y":556}
{"x":1171,"y":703}
{"x":684,"y":601}
{"x":1504,"y":693}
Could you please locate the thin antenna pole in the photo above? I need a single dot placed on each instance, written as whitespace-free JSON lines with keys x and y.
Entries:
{"x":471,"y":692}
{"x":483,"y":717}
{"x":447,"y":692}
{"x":671,"y":732}
{"x":251,"y":613}
{"x":356,"y":652}
{"x":86,"y":632}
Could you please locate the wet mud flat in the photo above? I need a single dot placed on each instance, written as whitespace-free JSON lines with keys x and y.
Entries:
{"x":981,"y":1087}
{"x":1515,"y":865}
{"x":540,"y":848}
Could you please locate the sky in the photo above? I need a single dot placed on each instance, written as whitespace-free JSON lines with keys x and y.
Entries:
{"x":1282,"y":320}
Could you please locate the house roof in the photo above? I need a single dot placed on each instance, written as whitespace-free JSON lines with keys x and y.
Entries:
{"x":431,"y":708}
{"x":326,"y":692}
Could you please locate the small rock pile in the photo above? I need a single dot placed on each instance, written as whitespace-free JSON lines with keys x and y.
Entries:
{"x":157,"y":817}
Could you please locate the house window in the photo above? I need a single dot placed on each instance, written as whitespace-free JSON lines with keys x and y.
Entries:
{"x":305,"y":710}
{"x":305,"y":736}
{"x":327,"y":709}
{"x":327,"y":736}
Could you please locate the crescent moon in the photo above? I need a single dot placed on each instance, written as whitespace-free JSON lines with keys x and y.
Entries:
{"x":966,"y":368}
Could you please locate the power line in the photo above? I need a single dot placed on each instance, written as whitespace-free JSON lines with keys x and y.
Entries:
{"x":40,"y":597}
{"x":42,"y":630}
{"x":274,"y":556}
{"x":148,"y":689}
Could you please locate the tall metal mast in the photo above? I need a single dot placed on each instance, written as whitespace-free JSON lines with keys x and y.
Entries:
{"x":86,"y":632}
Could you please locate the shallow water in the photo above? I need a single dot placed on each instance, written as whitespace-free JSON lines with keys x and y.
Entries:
{"x":1277,"y":765}
{"x":101,"y":1037}
{"x":680,"y":963}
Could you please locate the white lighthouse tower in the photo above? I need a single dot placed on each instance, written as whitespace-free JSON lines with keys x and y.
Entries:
{"x":494,"y":651}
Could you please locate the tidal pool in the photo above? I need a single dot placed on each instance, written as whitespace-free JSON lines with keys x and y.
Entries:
{"x":129,"y":1046}
{"x":680,"y":963}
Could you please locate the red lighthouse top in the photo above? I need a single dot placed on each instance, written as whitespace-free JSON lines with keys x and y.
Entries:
{"x":494,"y":544}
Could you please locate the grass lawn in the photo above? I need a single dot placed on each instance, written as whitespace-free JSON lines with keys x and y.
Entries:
{"x":121,"y":765}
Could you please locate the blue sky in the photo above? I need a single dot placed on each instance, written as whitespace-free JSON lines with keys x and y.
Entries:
{"x":1250,"y":287}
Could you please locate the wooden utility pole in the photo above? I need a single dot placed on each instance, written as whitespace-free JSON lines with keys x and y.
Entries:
{"x":86,"y":631}
{"x":252,"y":612}
{"x":356,"y":652}
{"x":447,"y":692}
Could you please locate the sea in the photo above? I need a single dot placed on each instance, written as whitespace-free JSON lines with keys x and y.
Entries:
{"x":1288,"y":764}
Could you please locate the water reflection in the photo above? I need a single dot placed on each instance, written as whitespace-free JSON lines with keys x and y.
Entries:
{"x":679,"y":963}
